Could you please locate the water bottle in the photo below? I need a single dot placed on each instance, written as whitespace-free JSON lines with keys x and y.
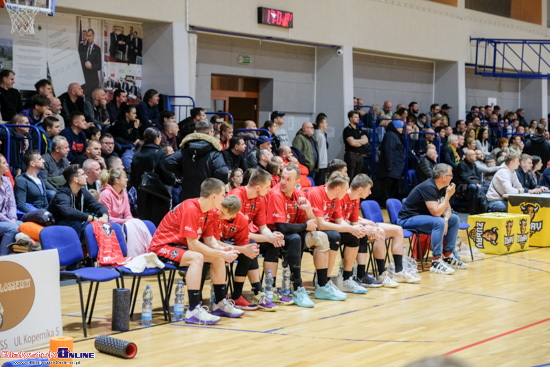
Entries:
{"x":212,"y":295}
{"x":340,"y":278}
{"x":269,"y":286}
{"x":458,"y":245}
{"x":178,"y":303}
{"x":147,"y":307}
{"x":286,"y":281}
{"x":354,"y":270}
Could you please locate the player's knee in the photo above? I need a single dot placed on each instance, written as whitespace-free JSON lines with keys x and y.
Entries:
{"x":318,"y":241}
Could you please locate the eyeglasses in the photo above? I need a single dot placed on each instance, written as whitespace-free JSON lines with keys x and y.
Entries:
{"x":449,"y":175}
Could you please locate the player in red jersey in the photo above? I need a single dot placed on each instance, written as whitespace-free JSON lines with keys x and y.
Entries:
{"x":290,"y":213}
{"x":184,"y":238}
{"x":254,"y":209}
{"x":325,"y":201}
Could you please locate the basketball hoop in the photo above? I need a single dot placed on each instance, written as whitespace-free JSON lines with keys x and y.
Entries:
{"x":22,"y":14}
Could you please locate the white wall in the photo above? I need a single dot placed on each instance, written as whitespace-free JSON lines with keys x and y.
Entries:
{"x":479,"y":89}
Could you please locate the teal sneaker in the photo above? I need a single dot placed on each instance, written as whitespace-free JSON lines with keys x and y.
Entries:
{"x":301,"y":298}
{"x":351,"y":286}
{"x":327,"y":292}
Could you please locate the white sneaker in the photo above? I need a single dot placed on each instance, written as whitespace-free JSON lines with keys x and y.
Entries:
{"x":351,"y":286}
{"x":387,"y":281}
{"x":440,"y":267}
{"x":455,"y":263}
{"x":226,"y":307}
{"x":200,"y":315}
{"x":405,"y":277}
{"x":337,"y":290}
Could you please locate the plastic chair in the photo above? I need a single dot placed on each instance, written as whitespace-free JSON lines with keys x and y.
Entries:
{"x":465,"y":226}
{"x":371,"y":211}
{"x":312,"y":181}
{"x":413,"y":180}
{"x":65,"y":240}
{"x":93,"y":249}
{"x":394,"y":207}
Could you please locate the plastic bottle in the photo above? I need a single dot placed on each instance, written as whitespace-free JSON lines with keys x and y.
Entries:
{"x":269,"y":286}
{"x":212,"y":295}
{"x":147,"y":307}
{"x":456,"y":251}
{"x":340,"y":277}
{"x":354,"y":270}
{"x":178,"y":302}
{"x":286,"y":281}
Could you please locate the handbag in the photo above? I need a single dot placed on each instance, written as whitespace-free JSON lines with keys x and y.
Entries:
{"x":152,"y":184}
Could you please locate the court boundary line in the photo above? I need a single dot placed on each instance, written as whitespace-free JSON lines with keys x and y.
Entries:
{"x":525,"y":266}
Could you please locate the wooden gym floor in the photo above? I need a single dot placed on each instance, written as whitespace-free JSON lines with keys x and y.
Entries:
{"x":496,"y":313}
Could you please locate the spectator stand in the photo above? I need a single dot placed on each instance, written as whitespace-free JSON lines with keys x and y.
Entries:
{"x":222,"y":114}
{"x":180,"y":105}
{"x":482,"y":118}
{"x":496,"y":130}
{"x":8,"y":143}
{"x":407,"y":143}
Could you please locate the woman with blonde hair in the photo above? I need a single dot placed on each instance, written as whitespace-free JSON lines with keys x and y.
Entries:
{"x":114,"y":196}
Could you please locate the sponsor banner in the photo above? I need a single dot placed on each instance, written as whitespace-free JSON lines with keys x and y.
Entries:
{"x":537,"y":207}
{"x":499,"y":233}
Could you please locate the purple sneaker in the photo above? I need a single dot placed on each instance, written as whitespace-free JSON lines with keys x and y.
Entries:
{"x":279,"y":297}
{"x":200,"y":315}
{"x":226,"y":307}
{"x":264,"y":303}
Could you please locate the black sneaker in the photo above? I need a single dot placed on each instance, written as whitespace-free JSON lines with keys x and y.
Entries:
{"x":369,"y":281}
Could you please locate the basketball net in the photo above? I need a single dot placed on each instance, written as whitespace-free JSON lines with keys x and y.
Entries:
{"x":22,"y":18}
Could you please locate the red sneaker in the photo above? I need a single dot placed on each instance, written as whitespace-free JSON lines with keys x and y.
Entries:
{"x":243,"y":304}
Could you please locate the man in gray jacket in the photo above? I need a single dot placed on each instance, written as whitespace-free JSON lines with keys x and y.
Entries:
{"x":306,"y":142}
{"x":504,"y":182}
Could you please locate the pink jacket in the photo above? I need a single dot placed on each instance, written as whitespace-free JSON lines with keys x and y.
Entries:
{"x":117,"y":205}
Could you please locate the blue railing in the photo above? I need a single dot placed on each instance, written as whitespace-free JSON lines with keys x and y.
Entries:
{"x":5,"y":127}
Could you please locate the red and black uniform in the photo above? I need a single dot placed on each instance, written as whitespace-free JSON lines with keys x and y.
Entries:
{"x":254,"y":210}
{"x":329,"y":209}
{"x":350,"y":213}
{"x":184,"y":221}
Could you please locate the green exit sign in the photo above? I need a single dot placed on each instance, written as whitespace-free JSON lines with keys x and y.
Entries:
{"x":243,"y":59}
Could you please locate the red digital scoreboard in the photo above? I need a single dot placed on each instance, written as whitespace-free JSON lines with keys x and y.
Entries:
{"x":278,"y":18}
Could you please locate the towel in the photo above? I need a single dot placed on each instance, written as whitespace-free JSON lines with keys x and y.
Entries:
{"x":140,"y":262}
{"x":138,"y":237}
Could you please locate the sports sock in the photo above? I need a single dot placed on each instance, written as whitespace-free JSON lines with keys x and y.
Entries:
{"x":447,"y":254}
{"x":361,"y":270}
{"x":398,"y":260}
{"x":237,"y":290}
{"x":220,"y":291}
{"x":322,"y":277}
{"x":194,"y":298}
{"x":296,"y":273}
{"x":257,"y":288}
{"x":347,"y":274}
{"x":436,"y":258}
{"x":381,"y":265}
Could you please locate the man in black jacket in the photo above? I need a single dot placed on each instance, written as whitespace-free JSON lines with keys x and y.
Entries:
{"x":468,"y":179}
{"x":525,"y":177}
{"x":187,"y":126}
{"x":72,"y":202}
{"x":234,"y":156}
{"x":199,"y":158}
{"x":426,"y":165}
{"x":537,"y":145}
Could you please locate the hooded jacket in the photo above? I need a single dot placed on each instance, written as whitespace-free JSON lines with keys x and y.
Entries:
{"x":303,"y":142}
{"x":66,"y":206}
{"x":199,"y":158}
{"x":392,"y":155}
{"x":537,"y":145}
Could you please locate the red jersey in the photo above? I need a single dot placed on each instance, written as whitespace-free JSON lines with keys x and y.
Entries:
{"x":185,"y":220}
{"x":284,"y":209}
{"x":322,"y":206}
{"x":350,"y":209}
{"x":275,"y":180}
{"x":253,"y":209}
{"x":235,"y":230}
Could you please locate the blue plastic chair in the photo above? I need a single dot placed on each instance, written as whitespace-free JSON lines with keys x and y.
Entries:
{"x":413,"y":180}
{"x":371,"y":211}
{"x":65,"y":240}
{"x":93,"y":249}
{"x":311,"y":180}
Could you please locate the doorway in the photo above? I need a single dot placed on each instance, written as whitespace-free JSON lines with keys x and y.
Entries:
{"x":236,"y":95}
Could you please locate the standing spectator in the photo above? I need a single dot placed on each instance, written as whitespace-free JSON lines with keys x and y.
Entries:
{"x":392,"y":159}
{"x":8,"y":218}
{"x":43,"y":87}
{"x":29,"y":187}
{"x":10,"y":99}
{"x":306,"y":142}
{"x":56,"y":161}
{"x":96,"y":109}
{"x":75,"y":134}
{"x":538,"y":145}
{"x":90,"y":57}
{"x":72,"y":101}
{"x":151,"y":159}
{"x":354,"y":140}
{"x":117,"y":104}
{"x":426,"y":165}
{"x":147,"y":111}
{"x":520,"y":116}
{"x":55,"y":108}
{"x":281,"y":136}
{"x":187,"y":126}
{"x":322,"y":142}
{"x":504,"y":182}
{"x":234,"y":156}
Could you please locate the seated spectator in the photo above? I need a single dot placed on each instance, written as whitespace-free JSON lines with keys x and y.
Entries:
{"x":8,"y":217}
{"x":39,"y":111}
{"x":538,"y":145}
{"x":426,"y":165}
{"x":460,"y":127}
{"x":249,"y":136}
{"x":56,"y":161}
{"x":114,"y":162}
{"x":262,"y":142}
{"x":226,"y":133}
{"x":502,"y":146}
{"x":275,"y":172}
{"x":469,"y":180}
{"x":504,"y":182}
{"x":525,"y":176}
{"x":29,"y":187}
{"x":20,"y":142}
{"x":427,"y":210}
{"x":169,"y":134}
{"x":72,"y":203}
{"x":269,"y":126}
{"x":305,"y":141}
{"x":487,"y":172}
{"x":461,"y":147}
{"x":117,"y":105}
{"x":72,"y":101}
{"x":516,"y":145}
{"x":93,"y":133}
{"x":115,"y":198}
{"x":55,"y":108}
{"x":92,"y":169}
{"x":75,"y":134}
{"x":93,"y":151}
{"x":43,"y":87}
{"x":535,"y":171}
{"x":422,"y":121}
{"x":126,"y":131}
{"x":167,"y":116}
{"x":107,"y":146}
{"x":264,"y":157}
{"x":147,"y":111}
{"x":216,"y":122}
{"x":533,"y":127}
{"x":482,"y":143}
{"x":424,"y":140}
{"x":235,"y":179}
{"x":49,"y":129}
{"x":96,"y":109}
{"x":187,"y":126}
{"x":10,"y":98}
{"x":234,"y":156}
{"x":440,"y":130}
{"x":286,"y":153}
{"x":449,"y":154}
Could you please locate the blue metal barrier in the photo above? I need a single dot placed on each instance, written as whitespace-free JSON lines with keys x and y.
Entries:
{"x":222,"y":114}
{"x":178,"y":108}
{"x":5,"y":127}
